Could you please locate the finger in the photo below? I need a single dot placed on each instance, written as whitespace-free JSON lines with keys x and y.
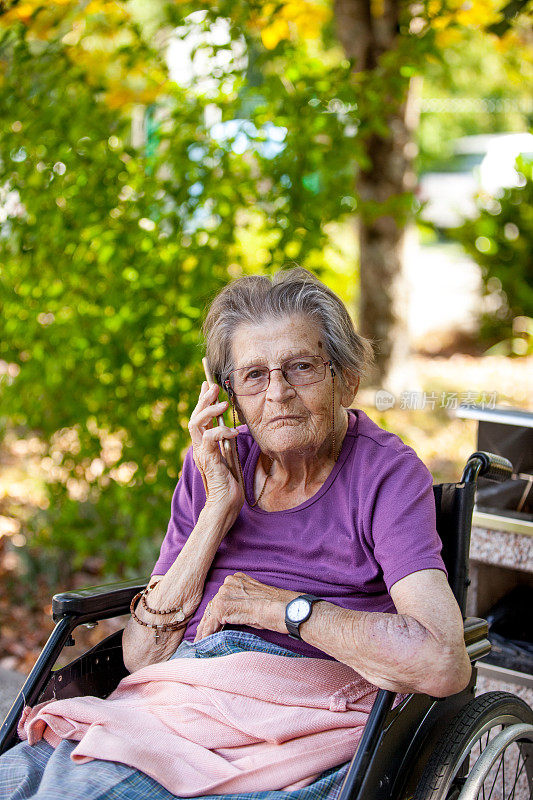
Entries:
{"x":209,"y":621}
{"x":220,"y":432}
{"x":208,"y":438}
{"x":212,"y":436}
{"x":199,"y":627}
{"x":207,"y":625}
{"x":202,"y":412}
{"x":203,"y":391}
{"x":204,"y":416}
{"x":212,"y":391}
{"x":207,"y":395}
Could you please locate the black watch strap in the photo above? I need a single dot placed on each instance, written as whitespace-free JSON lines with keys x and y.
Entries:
{"x":293,"y":628}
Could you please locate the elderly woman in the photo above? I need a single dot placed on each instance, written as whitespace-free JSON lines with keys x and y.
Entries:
{"x":330,"y":504}
{"x":321,"y":542}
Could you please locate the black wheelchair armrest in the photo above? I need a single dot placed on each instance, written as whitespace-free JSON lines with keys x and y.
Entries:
{"x":97,"y":602}
{"x":476,"y":637}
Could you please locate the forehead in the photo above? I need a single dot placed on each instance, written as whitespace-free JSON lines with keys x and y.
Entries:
{"x":275,"y":339}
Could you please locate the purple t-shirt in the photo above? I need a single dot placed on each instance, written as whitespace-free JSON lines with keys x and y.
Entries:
{"x":370,"y":524}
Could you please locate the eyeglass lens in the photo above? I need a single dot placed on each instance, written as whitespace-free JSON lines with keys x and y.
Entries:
{"x":300,"y":371}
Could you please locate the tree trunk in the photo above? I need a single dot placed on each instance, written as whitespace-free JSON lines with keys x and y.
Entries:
{"x":383,"y":300}
{"x":383,"y":297}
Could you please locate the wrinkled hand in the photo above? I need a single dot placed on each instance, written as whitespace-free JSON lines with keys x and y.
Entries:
{"x":242,"y":600}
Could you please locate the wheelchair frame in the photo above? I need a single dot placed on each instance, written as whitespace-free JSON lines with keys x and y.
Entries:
{"x":397,"y":742}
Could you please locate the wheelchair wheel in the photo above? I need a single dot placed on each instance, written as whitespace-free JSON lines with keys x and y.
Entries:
{"x":509,"y":776}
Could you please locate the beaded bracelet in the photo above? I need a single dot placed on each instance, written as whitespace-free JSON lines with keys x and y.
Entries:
{"x":160,"y":612}
{"x":168,"y":626}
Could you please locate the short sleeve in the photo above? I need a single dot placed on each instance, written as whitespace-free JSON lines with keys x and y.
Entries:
{"x":403,"y":525}
{"x":181,"y":521}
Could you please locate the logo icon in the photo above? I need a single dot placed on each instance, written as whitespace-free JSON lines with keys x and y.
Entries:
{"x":384,"y":400}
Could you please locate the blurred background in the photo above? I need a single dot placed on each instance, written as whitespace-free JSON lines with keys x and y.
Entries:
{"x":151,"y":151}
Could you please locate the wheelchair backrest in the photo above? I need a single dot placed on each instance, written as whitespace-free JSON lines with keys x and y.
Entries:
{"x":454,"y":504}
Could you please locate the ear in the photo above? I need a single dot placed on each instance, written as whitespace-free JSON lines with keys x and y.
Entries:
{"x":350,"y":387}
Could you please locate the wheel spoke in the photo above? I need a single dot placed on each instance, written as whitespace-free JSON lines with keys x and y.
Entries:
{"x":503,"y":776}
{"x":524,"y":758}
{"x":517,"y":775}
{"x":495,"y":778}
{"x":480,"y":751}
{"x":471,"y":737}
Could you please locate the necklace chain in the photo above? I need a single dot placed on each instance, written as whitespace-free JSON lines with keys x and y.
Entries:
{"x":252,"y":505}
{"x":333,"y":455}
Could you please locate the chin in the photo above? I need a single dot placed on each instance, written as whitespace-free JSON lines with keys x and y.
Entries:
{"x":286,"y":443}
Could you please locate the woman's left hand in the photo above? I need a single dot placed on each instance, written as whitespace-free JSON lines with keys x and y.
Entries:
{"x":242,"y":600}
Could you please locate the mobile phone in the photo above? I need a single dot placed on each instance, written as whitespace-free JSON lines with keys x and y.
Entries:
{"x":228,"y":446}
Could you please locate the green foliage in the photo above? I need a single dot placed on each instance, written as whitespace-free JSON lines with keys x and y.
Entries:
{"x":475,"y":88}
{"x":111,"y":248}
{"x":111,"y":251}
{"x":102,"y":290}
{"x":500,"y":240}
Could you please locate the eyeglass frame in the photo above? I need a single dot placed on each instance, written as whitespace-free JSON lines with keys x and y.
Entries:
{"x":229,"y":389}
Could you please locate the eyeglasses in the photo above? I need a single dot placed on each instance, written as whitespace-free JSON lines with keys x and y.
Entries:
{"x":301,"y":371}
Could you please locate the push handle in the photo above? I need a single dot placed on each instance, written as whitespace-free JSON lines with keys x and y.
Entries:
{"x":489,"y":466}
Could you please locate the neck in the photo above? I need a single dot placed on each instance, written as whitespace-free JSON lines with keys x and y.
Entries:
{"x":291,"y":470}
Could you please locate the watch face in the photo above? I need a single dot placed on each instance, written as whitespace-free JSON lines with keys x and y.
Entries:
{"x":298,"y":609}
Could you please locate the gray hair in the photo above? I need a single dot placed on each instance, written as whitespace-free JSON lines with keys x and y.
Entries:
{"x":254,"y":298}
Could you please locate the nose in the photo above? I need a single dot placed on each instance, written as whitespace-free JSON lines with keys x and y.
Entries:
{"x":278,"y":389}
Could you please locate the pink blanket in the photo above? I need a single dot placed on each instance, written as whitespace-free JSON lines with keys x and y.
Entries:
{"x":248,"y":721}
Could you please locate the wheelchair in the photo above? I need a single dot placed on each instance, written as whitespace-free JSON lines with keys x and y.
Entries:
{"x":422,"y":748}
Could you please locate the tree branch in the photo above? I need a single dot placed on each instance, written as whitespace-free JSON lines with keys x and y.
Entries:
{"x":355,"y":30}
{"x":509,"y":14}
{"x":7,"y":5}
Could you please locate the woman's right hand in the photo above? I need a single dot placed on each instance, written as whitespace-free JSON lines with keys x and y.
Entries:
{"x":222,"y":489}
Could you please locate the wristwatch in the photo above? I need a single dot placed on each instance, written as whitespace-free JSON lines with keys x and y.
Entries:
{"x":298,"y":611}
